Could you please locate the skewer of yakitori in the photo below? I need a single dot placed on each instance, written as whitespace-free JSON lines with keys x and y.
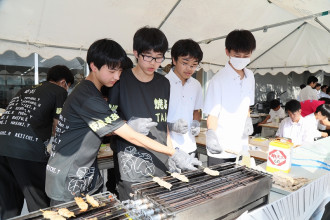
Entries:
{"x":66,"y":213}
{"x":161,"y":182}
{"x":92,"y":201}
{"x":81,"y":204}
{"x":179,"y":176}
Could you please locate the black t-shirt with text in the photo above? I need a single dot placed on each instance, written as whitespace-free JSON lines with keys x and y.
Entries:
{"x":133,"y":98}
{"x":72,"y":167}
{"x":26,"y":125}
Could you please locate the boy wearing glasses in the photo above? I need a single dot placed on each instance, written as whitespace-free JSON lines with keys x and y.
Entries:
{"x":229,"y":95}
{"x":86,"y":117}
{"x":186,"y":95}
{"x":141,"y":93}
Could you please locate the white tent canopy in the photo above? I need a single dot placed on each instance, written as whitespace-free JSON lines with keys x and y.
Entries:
{"x":68,"y":27}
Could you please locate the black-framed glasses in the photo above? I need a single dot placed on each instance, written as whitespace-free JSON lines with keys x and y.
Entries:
{"x":195,"y":67}
{"x":150,"y":58}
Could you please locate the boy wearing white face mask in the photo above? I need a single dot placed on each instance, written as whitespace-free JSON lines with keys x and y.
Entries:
{"x":229,"y":95}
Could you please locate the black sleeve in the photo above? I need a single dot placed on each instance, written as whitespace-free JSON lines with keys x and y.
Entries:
{"x":99,"y":117}
{"x":113,"y":97}
{"x":59,"y":102}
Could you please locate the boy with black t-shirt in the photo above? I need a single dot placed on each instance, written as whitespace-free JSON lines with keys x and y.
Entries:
{"x":25,"y":130}
{"x":86,"y":118}
{"x":142,"y":93}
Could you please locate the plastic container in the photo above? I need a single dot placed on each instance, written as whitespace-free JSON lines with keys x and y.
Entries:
{"x":279,"y":156}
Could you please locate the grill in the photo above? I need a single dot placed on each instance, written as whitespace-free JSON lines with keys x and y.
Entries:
{"x":226,"y":196}
{"x":110,"y":208}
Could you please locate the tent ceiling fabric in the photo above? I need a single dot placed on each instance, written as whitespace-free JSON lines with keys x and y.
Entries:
{"x":67,"y":28}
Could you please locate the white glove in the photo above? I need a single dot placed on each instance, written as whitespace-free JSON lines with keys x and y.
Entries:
{"x":195,"y":128}
{"x":141,"y":125}
{"x":180,"y":126}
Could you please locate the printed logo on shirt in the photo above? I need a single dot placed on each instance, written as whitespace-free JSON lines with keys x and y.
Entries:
{"x":113,"y":108}
{"x":81,"y":181}
{"x":161,"y":104}
{"x":96,"y":125}
{"x":135,"y":162}
{"x":58,"y":111}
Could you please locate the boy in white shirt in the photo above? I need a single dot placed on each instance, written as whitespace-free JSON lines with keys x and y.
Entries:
{"x":309,"y":93}
{"x":276,"y":111}
{"x":322,"y":113}
{"x":294,"y":126}
{"x":229,"y":95}
{"x":186,"y":95}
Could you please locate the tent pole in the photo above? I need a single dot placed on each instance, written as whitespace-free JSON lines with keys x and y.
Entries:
{"x":168,"y":15}
{"x":36,"y":69}
{"x":280,"y":41}
{"x":320,"y":23}
{"x":266,"y":27}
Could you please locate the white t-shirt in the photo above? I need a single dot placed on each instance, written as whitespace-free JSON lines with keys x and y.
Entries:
{"x":312,"y":124}
{"x":184,"y":99}
{"x":308,"y":93}
{"x":296,"y":131}
{"x":228,"y":98}
{"x":273,"y":114}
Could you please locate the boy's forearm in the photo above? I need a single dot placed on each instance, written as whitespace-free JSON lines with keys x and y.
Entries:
{"x":141,"y":140}
{"x":212,"y":122}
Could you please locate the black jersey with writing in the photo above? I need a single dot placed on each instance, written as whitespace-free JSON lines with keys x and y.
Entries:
{"x":133,"y":98}
{"x":72,"y":167}
{"x":26,"y":125}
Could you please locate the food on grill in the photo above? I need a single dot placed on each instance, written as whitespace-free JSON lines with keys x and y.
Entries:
{"x":92,"y":201}
{"x":211,"y":172}
{"x":162,"y":182}
{"x":81,"y":204}
{"x":52,"y":215}
{"x":66,"y":213}
{"x":180,"y":177}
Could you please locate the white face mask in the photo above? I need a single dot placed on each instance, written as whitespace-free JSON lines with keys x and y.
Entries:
{"x":239,"y":63}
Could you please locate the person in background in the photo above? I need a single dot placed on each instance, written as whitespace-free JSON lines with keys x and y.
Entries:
{"x":293,"y":127}
{"x":186,"y":95}
{"x":301,"y":87}
{"x":142,"y":98}
{"x":318,"y":89}
{"x":308,"y":93}
{"x":26,"y":128}
{"x":322,"y":113}
{"x":327,"y":93}
{"x":276,"y":112}
{"x":323,"y":91}
{"x":229,"y":95}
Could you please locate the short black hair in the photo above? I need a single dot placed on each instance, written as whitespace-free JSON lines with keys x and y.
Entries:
{"x":302,"y":86}
{"x":312,"y":79}
{"x":328,"y":90}
{"x":326,"y":100}
{"x":59,"y":72}
{"x":324,"y":86}
{"x":128,"y":64}
{"x":274,"y":103}
{"x":240,"y":41}
{"x":187,"y":47}
{"x":324,"y":109}
{"x":292,"y":106}
{"x":148,"y":38}
{"x":106,"y":52}
{"x":317,"y":85}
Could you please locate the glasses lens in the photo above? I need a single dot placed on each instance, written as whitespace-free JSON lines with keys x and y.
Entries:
{"x":147,"y":58}
{"x":159,"y":59}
